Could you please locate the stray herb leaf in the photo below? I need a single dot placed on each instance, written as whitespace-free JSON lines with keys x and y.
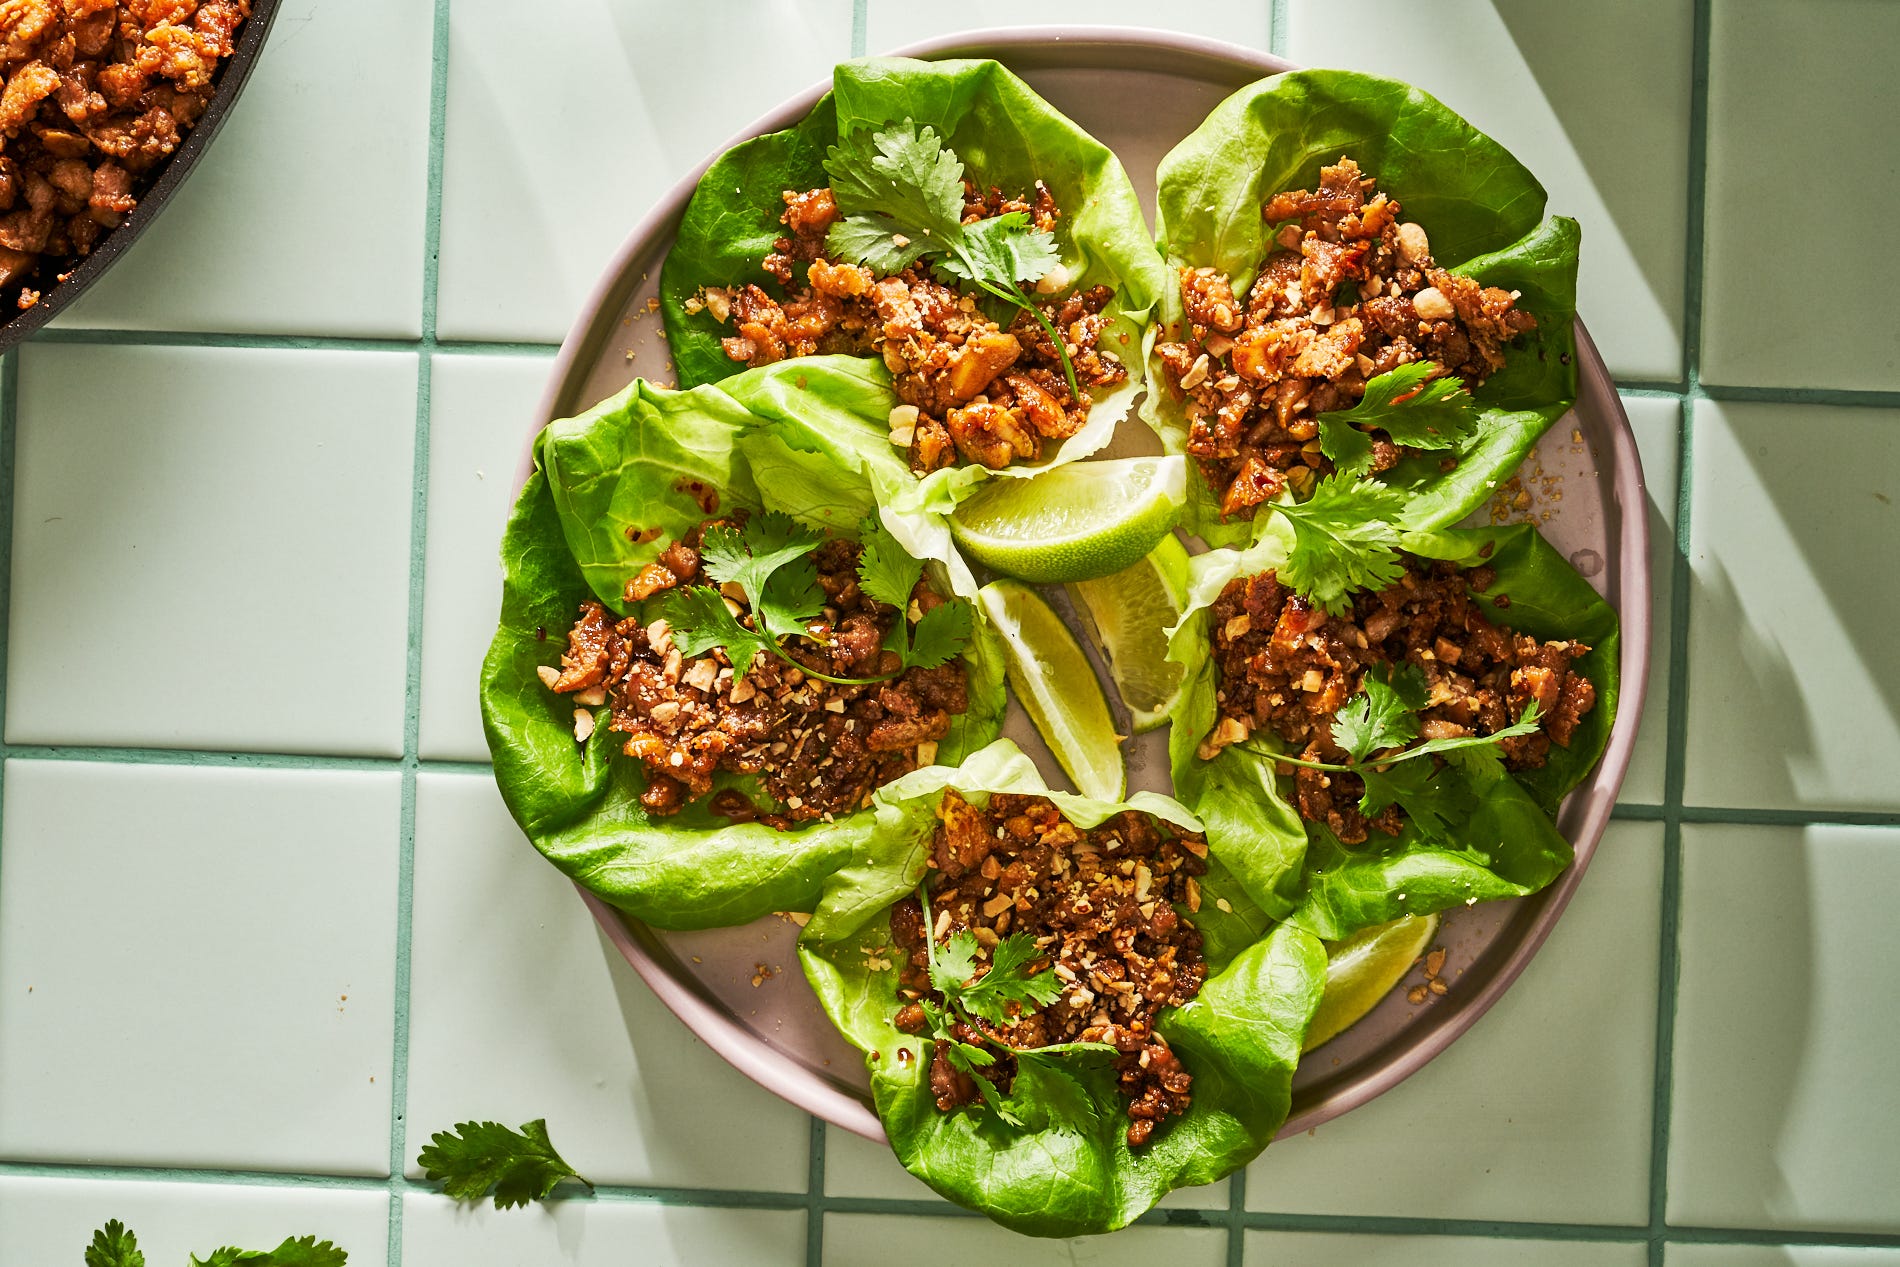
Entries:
{"x":479,"y":1157}
{"x":1410,"y":405}
{"x":114,"y":1246}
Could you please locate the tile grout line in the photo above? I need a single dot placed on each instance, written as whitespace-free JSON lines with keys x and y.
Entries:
{"x":1237,"y":1218}
{"x":412,"y":688}
{"x":860,"y":27}
{"x":1675,"y":768}
{"x":815,"y":1195}
{"x":1277,"y":15}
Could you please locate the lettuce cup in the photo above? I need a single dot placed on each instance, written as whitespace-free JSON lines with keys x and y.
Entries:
{"x":1406,"y":752}
{"x":713,"y":649}
{"x":948,"y":224}
{"x":1068,"y":1007}
{"x":1360,"y":281}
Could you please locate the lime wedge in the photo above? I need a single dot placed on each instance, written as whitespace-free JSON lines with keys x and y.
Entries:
{"x":1052,"y":677}
{"x":1128,"y":613}
{"x":1363,"y":968}
{"x":1078,"y":521}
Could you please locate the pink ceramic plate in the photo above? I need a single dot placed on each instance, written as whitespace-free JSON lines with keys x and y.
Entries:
{"x":1139,"y":92}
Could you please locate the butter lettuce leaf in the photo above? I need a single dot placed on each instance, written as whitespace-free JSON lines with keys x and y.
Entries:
{"x":1481,"y":208}
{"x":1506,"y":845}
{"x":1068,"y":1170}
{"x":646,"y":461}
{"x":1006,"y":136}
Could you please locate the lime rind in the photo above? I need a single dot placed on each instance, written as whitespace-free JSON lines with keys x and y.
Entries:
{"x":1076,"y":522}
{"x":1363,"y":968}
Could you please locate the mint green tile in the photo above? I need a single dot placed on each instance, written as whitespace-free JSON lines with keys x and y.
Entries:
{"x":1597,"y":109}
{"x":197,"y":966}
{"x":1800,"y":294}
{"x":480,"y":418}
{"x":1322,"y":1249}
{"x":519,"y":1008}
{"x":1784,"y":1093}
{"x":894,"y":23}
{"x":1794,"y":670}
{"x":878,"y":1240}
{"x":438,"y":1232}
{"x":306,"y":216}
{"x":1542,"y":1111}
{"x":211,"y":548}
{"x":562,"y":132}
{"x":855,"y":1167}
{"x":50,"y":1221}
{"x":1778,"y":1256}
{"x":1657,"y":424}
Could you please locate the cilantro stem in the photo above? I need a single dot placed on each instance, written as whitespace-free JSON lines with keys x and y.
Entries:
{"x":780,"y":652}
{"x":1011,"y":295}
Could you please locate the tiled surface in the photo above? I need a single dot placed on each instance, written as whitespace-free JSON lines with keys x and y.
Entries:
{"x":630,"y":1094}
{"x":1787,"y":85}
{"x":197,"y":966}
{"x":482,"y":411}
{"x":229,"y":571}
{"x":1785,"y":1091}
{"x":249,"y":582}
{"x":1542,"y":1113}
{"x":1792,"y":612}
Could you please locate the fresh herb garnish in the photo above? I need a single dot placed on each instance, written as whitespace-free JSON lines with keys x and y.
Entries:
{"x":769,"y":560}
{"x":1416,"y":409}
{"x":1343,"y":540}
{"x":1374,"y":728}
{"x":901,"y":191}
{"x":114,"y":1246}
{"x":1043,"y":1094}
{"x":477,"y":1157}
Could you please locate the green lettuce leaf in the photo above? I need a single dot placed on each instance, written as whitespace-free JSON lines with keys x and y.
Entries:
{"x":1069,"y":1171}
{"x":1481,"y":208}
{"x":1006,"y":136}
{"x":632,"y":463}
{"x":1506,"y":847}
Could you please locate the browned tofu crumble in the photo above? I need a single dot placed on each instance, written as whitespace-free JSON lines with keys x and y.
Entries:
{"x":1256,"y":376}
{"x":821,"y":748}
{"x":1101,"y":903}
{"x":972,"y":390}
{"x":98,"y":93}
{"x":1286,"y":666}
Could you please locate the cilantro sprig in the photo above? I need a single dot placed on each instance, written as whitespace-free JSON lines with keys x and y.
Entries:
{"x":1376,"y":729}
{"x":114,"y":1245}
{"x":1418,"y":405}
{"x":478,"y":1158}
{"x":900,"y":190}
{"x":769,"y":560}
{"x":1044,"y":1093}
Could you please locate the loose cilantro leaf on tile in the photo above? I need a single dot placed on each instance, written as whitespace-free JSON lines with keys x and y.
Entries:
{"x":482,"y":1157}
{"x":1343,"y":540}
{"x":114,"y":1246}
{"x":306,"y":1251}
{"x":900,"y":190}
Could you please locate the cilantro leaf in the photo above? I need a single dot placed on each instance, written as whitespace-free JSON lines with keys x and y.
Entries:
{"x":1433,"y":797}
{"x":699,"y":620}
{"x":1046,"y":1095}
{"x":747,"y":557}
{"x":1343,"y":540}
{"x":941,"y":635}
{"x":885,"y":569}
{"x":1004,"y":249}
{"x":989,"y":997}
{"x":903,"y":176}
{"x":518,"y":1166}
{"x":114,"y":1246}
{"x":791,"y":601}
{"x":305,"y":1251}
{"x":1409,"y":405}
{"x":1525,"y":725}
{"x":871,"y":239}
{"x":953,"y":963}
{"x":1383,"y":714}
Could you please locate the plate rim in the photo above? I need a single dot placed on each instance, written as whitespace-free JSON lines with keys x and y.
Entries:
{"x":1589,"y":806}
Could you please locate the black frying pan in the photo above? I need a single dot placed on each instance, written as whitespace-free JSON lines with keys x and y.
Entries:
{"x":231,"y":77}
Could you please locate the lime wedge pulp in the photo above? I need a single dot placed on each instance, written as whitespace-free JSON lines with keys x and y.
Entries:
{"x":1057,"y":687}
{"x":1363,"y":968}
{"x":1078,"y":521}
{"x":1129,"y":613}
